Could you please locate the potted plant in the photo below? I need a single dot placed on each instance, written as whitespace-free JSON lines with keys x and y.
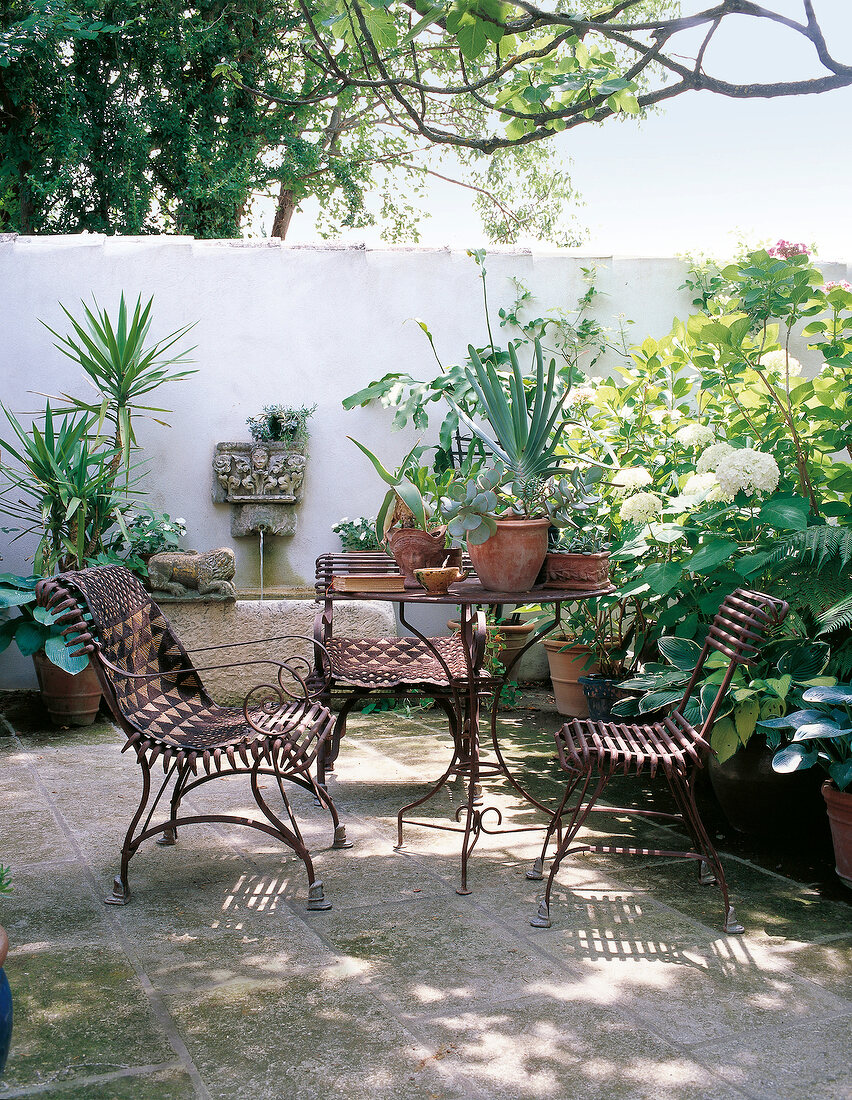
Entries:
{"x":282,"y":424}
{"x":821,"y":736}
{"x":357,"y":534}
{"x":508,"y":542}
{"x":72,"y":485}
{"x":594,"y":653}
{"x":576,"y":558}
{"x":404,"y":520}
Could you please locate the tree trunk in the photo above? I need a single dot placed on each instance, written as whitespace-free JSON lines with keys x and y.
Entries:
{"x":283,"y":212}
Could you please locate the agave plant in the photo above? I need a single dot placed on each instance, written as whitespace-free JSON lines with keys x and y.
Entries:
{"x":523,"y":437}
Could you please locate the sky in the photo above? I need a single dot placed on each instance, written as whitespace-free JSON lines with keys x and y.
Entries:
{"x":706,"y":171}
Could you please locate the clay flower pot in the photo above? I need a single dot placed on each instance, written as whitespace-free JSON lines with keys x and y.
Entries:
{"x":414,"y":549}
{"x":839,"y":807}
{"x":564,"y":569}
{"x":511,"y":559}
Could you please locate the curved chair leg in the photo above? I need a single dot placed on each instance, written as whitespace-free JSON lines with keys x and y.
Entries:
{"x":536,"y":872}
{"x":578,"y":818}
{"x":711,"y":869}
{"x":328,"y":754}
{"x":293,"y":839}
{"x":120,"y":889}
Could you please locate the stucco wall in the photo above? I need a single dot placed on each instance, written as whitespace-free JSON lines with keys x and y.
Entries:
{"x":292,"y":325}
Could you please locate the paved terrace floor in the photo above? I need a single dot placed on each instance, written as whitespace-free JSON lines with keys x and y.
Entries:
{"x":216,"y":982}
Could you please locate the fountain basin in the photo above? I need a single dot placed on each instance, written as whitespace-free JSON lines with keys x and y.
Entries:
{"x":199,"y":623}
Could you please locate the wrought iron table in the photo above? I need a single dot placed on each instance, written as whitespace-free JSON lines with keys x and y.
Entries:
{"x":468,"y":687}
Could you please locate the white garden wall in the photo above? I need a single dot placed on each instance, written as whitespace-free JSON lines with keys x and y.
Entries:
{"x":292,"y":325}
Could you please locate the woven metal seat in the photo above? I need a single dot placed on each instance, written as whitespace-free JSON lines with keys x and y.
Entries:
{"x":391,"y":667}
{"x":157,"y":697}
{"x":592,"y":752}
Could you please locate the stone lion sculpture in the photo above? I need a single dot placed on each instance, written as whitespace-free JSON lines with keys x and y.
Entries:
{"x":192,"y":575}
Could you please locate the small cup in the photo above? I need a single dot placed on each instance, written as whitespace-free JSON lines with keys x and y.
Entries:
{"x":438,"y":580}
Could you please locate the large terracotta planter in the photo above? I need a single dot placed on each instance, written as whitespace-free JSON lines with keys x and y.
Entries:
{"x":839,"y":806}
{"x":760,"y":801}
{"x":567,"y":664}
{"x":413,"y":549}
{"x":567,"y":570}
{"x":511,"y":559}
{"x":70,"y":700}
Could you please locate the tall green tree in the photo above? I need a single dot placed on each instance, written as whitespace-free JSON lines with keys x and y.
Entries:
{"x":121,"y":116}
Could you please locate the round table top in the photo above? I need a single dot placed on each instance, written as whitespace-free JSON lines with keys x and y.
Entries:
{"x":471,"y":592}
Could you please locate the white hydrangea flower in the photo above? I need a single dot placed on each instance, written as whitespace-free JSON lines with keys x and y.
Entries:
{"x":694,"y":435}
{"x":641,"y":508}
{"x":630,"y":479}
{"x":704,"y":485}
{"x":748,"y":471}
{"x":708,"y":460}
{"x":775,"y":362}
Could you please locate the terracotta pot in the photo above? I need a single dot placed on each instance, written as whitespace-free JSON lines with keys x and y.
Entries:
{"x":413,"y":549}
{"x":511,"y":559}
{"x":567,"y":665}
{"x":839,"y":806}
{"x":760,"y":801}
{"x":567,"y":570}
{"x":70,"y":700}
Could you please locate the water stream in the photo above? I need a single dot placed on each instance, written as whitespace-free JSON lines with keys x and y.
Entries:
{"x":260,"y":536}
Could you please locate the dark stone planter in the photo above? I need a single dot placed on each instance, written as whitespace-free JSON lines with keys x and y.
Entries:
{"x":5,"y":1003}
{"x":601,"y":695}
{"x":762,"y":802}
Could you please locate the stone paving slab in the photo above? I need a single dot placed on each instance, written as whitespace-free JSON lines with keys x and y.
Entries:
{"x":215,"y":981}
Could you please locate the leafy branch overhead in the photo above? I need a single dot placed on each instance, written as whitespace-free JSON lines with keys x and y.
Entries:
{"x":535,"y":70}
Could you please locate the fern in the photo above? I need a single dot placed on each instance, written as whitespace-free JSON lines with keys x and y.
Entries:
{"x":840,"y":664}
{"x":837,"y":616}
{"x":817,"y":545}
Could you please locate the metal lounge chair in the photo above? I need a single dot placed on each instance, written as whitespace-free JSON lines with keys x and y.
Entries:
{"x":158,"y":699}
{"x":591,"y":752}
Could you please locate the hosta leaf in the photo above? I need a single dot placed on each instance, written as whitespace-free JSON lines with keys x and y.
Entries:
{"x":828,"y":731}
{"x":58,"y":652}
{"x":839,"y":693}
{"x":30,"y":638}
{"x":683,"y":653}
{"x":793,"y":758}
{"x":724,"y":740}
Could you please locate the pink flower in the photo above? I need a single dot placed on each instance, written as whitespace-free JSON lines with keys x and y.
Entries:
{"x":785,"y":249}
{"x":842,"y":286}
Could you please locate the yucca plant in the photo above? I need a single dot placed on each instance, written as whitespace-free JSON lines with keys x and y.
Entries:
{"x":63,"y":488}
{"x":121,"y":366}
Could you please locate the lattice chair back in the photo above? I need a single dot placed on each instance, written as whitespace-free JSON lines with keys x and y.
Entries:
{"x":131,"y":632}
{"x":350,"y":563}
{"x":737,"y":632}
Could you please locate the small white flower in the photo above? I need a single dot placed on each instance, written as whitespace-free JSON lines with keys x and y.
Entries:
{"x":581,"y":395}
{"x":641,"y":508}
{"x":748,"y":471}
{"x":708,"y":460}
{"x":180,"y":521}
{"x":630,"y":479}
{"x":694,"y":435}
{"x":776,"y":362}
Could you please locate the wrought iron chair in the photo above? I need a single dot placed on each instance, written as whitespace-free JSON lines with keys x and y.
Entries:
{"x":356,"y":669}
{"x":592,"y":752}
{"x":158,"y":699}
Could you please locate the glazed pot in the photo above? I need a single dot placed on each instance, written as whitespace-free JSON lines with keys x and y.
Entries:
{"x":839,"y":807}
{"x":414,"y":549}
{"x":510,"y":560}
{"x":760,"y":801}
{"x":70,"y":700}
{"x":563,"y":569}
{"x":602,"y":693}
{"x":568,"y":663}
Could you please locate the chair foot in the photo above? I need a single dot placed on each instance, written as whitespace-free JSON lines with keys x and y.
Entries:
{"x":340,"y":840}
{"x":542,"y":917}
{"x":536,"y":872}
{"x":168,"y":838}
{"x":316,"y":897}
{"x":732,"y":925}
{"x":120,"y":893}
{"x":706,"y":876}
